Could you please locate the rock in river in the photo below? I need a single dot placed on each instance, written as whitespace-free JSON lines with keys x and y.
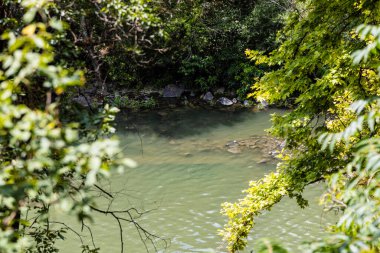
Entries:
{"x":234,"y":150}
{"x":232,"y":143}
{"x":225,"y":101}
{"x":172,"y":91}
{"x":208,"y":96}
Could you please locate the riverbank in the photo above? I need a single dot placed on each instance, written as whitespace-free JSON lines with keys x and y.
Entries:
{"x":171,"y":96}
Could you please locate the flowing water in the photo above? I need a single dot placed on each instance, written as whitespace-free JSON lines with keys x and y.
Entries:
{"x":185,"y":172}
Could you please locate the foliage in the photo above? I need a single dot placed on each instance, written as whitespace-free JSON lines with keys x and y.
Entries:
{"x":45,"y":164}
{"x":198,"y":43}
{"x":313,"y":66}
{"x":130,"y":103}
{"x":202,"y":44}
{"x":103,"y":34}
{"x":211,"y":52}
{"x":355,"y":189}
{"x":261,"y":195}
{"x":246,"y":73}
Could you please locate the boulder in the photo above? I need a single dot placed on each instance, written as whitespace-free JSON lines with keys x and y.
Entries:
{"x":81,"y":101}
{"x":208,"y":96}
{"x":234,"y":100}
{"x":172,"y":91}
{"x":246,"y":103}
{"x":225,"y":101}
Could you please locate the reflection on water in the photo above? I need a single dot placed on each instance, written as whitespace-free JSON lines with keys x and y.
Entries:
{"x":185,"y":173}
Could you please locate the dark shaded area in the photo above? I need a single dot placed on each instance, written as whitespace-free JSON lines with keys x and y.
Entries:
{"x":179,"y":123}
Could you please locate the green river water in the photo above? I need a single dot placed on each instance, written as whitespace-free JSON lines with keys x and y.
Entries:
{"x":184,"y":174}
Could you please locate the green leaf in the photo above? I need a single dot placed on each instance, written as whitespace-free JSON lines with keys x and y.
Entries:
{"x":29,"y":15}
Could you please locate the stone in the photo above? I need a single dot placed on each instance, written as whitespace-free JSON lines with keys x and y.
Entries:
{"x":234,"y":150}
{"x":81,"y":101}
{"x":234,"y":100}
{"x":225,"y":101}
{"x":246,"y":103}
{"x":263,"y":161}
{"x":232,"y":143}
{"x":208,"y":96}
{"x":192,"y":94}
{"x":172,"y":91}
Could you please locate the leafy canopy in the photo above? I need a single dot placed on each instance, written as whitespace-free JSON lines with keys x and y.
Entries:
{"x":313,"y":70}
{"x":44,"y":163}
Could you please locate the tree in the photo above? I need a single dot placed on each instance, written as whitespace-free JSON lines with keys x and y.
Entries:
{"x":206,"y":43}
{"x":109,"y":39}
{"x":313,"y":71}
{"x":46,"y":160}
{"x":354,"y":190}
{"x":198,"y":43}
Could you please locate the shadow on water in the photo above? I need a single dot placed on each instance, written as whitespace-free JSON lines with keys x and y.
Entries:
{"x":177,"y":124}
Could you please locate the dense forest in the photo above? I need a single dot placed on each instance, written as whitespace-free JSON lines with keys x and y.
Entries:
{"x":67,"y":65}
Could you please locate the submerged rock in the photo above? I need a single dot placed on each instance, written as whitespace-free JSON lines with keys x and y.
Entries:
{"x":232,"y":143}
{"x":266,"y":146}
{"x":234,"y":150}
{"x":208,"y":96}
{"x":225,"y":101}
{"x":234,"y":147}
{"x":172,"y":91}
{"x":263,"y":161}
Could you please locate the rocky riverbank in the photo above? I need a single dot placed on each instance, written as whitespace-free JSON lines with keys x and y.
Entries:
{"x":170,"y":96}
{"x":265,"y":148}
{"x":268,"y":147}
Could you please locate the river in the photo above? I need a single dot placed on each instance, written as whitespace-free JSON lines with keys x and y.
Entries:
{"x":185,"y":173}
